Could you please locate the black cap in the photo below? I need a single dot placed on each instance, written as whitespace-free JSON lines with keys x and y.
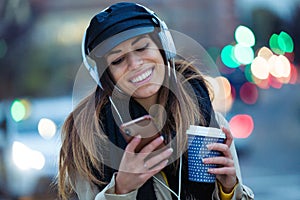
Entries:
{"x":124,"y":20}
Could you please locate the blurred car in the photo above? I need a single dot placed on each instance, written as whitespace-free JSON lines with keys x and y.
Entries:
{"x":32,"y":141}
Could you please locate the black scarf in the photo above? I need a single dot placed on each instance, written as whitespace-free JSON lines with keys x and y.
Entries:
{"x":190,"y":189}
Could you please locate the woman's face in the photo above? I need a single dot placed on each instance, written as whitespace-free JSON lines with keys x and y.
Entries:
{"x":137,"y":67}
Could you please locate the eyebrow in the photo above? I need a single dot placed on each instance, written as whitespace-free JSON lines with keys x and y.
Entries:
{"x":132,"y":43}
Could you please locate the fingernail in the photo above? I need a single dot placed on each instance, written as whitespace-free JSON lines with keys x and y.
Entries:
{"x":209,"y":146}
{"x":138,"y":137}
{"x":210,"y":170}
{"x":166,"y":162}
{"x":162,"y":138}
{"x":204,"y":160}
{"x":170,"y":150}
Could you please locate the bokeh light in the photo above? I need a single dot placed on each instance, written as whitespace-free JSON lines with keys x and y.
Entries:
{"x":47,"y":128}
{"x":244,"y":36}
{"x":282,"y":43}
{"x":271,"y":67}
{"x":227,"y":56}
{"x":19,"y":150}
{"x":243,"y":54}
{"x":18,"y":110}
{"x":223,"y":105}
{"x":233,"y":92}
{"x":273,"y":42}
{"x":241,"y":125}
{"x":265,"y":53}
{"x":221,"y":86}
{"x":285,"y":42}
{"x":263,"y":84}
{"x":248,"y":74}
{"x":248,"y":93}
{"x":294,"y":75}
{"x":213,"y":83}
{"x":274,"y":82}
{"x":225,"y":87}
{"x":290,"y":56}
{"x":26,"y":158}
{"x":260,"y":68}
{"x":223,"y":98}
{"x":279,"y":66}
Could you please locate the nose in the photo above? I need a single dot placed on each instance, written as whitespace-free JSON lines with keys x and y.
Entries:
{"x":134,"y":60}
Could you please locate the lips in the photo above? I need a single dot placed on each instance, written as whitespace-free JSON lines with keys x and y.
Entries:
{"x":142,"y":77}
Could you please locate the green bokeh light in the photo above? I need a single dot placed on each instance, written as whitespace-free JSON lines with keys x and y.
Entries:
{"x":18,"y":110}
{"x":274,"y":44}
{"x":227,"y":57}
{"x":285,"y":42}
{"x":248,"y":74}
{"x":244,"y":36}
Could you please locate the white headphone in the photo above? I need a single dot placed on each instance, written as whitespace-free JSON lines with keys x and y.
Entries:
{"x":164,"y":36}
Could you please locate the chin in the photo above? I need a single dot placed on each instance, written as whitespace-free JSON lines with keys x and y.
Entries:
{"x":146,"y":92}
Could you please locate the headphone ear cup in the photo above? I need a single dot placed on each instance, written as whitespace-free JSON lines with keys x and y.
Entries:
{"x":164,"y":35}
{"x":91,"y":68}
{"x":167,"y":41}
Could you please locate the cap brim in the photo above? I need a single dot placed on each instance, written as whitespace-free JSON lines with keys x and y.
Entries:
{"x":104,"y":47}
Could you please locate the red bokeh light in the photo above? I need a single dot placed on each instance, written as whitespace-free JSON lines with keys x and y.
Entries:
{"x":248,"y":93}
{"x":294,"y":75}
{"x":241,"y":126}
{"x":274,"y":82}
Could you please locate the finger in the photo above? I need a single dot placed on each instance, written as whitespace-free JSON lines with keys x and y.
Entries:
{"x":153,"y":161}
{"x":220,"y":160}
{"x":152,"y":146}
{"x":155,"y":169}
{"x":220,"y":147}
{"x":229,"y":137}
{"x":222,"y":171}
{"x":133,"y":144}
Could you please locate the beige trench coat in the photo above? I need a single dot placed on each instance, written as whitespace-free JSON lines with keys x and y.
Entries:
{"x":85,"y":191}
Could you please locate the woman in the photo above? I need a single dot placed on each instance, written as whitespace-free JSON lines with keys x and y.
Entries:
{"x":135,"y":60}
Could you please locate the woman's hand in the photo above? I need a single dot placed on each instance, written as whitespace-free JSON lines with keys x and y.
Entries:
{"x":136,"y":168}
{"x":226,"y":174}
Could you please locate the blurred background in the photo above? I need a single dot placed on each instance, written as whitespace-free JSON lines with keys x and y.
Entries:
{"x":254,"y":43}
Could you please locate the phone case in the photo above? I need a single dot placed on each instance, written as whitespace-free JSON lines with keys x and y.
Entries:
{"x":143,"y":126}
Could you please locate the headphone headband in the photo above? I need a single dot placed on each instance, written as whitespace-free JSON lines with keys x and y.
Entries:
{"x":164,"y":36}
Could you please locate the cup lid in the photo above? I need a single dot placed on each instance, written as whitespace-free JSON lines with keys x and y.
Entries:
{"x":205,"y":131}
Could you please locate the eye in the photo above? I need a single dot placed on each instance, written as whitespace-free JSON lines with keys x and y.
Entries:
{"x":143,"y":48}
{"x":117,"y":61}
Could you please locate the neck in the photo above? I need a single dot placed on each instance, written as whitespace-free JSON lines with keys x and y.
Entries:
{"x":148,"y":102}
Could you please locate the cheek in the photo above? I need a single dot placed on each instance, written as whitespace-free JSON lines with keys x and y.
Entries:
{"x":159,"y":58}
{"x":116,"y":74}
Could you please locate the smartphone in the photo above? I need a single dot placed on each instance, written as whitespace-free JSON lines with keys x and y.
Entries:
{"x":143,"y":126}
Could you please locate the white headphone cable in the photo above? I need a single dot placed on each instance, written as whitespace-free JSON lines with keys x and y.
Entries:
{"x":180,"y":170}
{"x":179,"y":179}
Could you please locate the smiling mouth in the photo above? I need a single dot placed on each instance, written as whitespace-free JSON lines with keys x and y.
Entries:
{"x":142,"y":77}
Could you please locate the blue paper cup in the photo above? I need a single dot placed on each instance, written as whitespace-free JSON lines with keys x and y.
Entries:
{"x":198,"y":138}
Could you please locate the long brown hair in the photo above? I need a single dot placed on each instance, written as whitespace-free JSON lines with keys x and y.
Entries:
{"x":84,"y":140}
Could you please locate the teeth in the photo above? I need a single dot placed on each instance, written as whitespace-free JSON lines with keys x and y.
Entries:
{"x":142,"y":76}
